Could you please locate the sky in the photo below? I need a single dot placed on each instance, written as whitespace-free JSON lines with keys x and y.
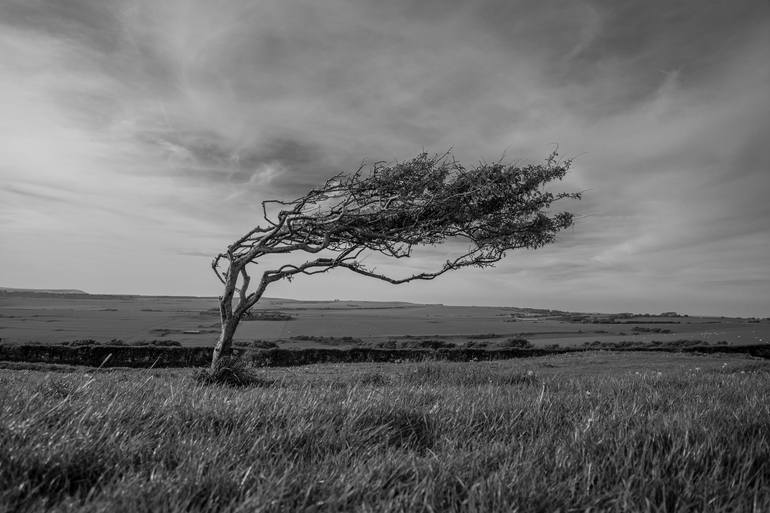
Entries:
{"x":139,"y":138}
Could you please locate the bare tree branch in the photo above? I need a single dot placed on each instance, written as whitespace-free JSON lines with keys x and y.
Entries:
{"x":428,"y":200}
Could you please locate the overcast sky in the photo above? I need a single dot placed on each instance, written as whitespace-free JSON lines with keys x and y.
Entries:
{"x":137,"y":138}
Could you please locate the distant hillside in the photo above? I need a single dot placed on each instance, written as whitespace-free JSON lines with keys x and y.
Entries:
{"x":40,"y":291}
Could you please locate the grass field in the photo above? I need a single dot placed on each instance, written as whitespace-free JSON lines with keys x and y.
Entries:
{"x":597,"y":431}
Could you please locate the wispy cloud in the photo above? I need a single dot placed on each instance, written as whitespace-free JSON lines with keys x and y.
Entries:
{"x":148,"y":130}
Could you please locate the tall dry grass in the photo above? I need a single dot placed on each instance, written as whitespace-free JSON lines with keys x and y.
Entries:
{"x":415,"y":437}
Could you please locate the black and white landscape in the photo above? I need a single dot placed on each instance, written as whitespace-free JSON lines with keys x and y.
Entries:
{"x":384,"y":256}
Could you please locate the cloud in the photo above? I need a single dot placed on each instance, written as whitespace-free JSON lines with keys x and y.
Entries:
{"x":168,"y":122}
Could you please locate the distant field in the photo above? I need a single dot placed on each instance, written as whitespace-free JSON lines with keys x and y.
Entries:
{"x":595,"y":431}
{"x":56,"y":318}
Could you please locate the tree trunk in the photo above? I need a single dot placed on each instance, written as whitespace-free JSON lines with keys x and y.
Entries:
{"x":227,"y":317}
{"x":224,"y":345}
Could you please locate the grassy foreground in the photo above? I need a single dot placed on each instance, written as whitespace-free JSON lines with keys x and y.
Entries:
{"x":602,"y":432}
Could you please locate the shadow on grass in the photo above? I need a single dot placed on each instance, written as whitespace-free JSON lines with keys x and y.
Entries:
{"x":403,"y":428}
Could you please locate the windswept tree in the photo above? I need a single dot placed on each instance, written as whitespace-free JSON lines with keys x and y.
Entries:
{"x":391,"y":209}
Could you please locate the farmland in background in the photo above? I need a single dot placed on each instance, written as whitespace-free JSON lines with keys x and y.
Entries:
{"x":53,"y":318}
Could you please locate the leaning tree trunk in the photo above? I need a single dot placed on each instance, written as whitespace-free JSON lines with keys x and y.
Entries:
{"x":228,"y":318}
{"x":224,"y":347}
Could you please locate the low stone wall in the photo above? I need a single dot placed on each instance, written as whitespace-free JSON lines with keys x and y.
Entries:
{"x":109,"y":356}
{"x":146,"y":356}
